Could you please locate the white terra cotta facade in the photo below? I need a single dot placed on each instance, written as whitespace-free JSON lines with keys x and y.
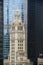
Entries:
{"x":40,"y":61}
{"x":18,"y":54}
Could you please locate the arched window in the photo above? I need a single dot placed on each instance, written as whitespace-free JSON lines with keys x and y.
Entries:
{"x":20,"y":28}
{"x":13,"y":28}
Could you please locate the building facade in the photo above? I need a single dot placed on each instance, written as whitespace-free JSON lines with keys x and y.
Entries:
{"x":40,"y":61}
{"x":18,"y":54}
{"x":6,"y":46}
{"x":1,"y":32}
{"x":35,"y":29}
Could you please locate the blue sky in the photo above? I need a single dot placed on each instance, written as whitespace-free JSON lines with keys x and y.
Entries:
{"x":13,"y":5}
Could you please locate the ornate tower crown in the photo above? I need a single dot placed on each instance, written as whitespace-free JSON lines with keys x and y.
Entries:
{"x":17,"y":15}
{"x":17,"y":19}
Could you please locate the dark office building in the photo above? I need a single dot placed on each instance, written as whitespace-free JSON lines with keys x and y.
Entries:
{"x":1,"y":32}
{"x":35,"y":29}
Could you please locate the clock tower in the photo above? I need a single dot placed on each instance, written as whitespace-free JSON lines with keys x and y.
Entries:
{"x":18,"y":54}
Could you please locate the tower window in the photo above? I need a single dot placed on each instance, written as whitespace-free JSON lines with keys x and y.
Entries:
{"x":13,"y":44}
{"x":20,"y":44}
{"x":21,"y":59}
{"x":13,"y":48}
{"x":20,"y":41}
{"x":12,"y":51}
{"x":13,"y":27}
{"x":19,"y":23}
{"x":12,"y":40}
{"x":21,"y":48}
{"x":20,"y":28}
{"x":12,"y":57}
{"x":18,"y":47}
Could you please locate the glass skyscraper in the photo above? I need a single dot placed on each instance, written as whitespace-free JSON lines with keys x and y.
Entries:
{"x":1,"y":32}
{"x":35,"y":29}
{"x":6,"y":36}
{"x":6,"y":45}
